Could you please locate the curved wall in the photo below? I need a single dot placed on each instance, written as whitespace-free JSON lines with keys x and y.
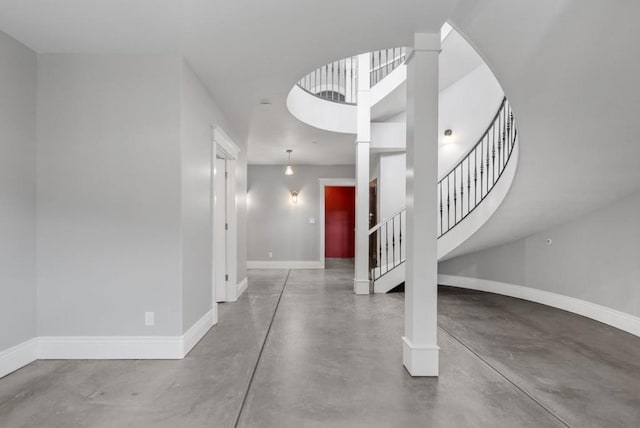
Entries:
{"x":594,"y":258}
{"x":576,"y":106}
{"x":327,"y":115}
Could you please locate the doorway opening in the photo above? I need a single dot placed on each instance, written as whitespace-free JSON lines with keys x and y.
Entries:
{"x":224,"y":221}
{"x":340,"y":222}
{"x":324,"y":184}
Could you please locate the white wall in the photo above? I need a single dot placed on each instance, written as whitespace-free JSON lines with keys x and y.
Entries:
{"x":198,"y":112}
{"x":594,"y":258}
{"x":274,"y":224}
{"x":17,"y":192}
{"x":109,"y":177}
{"x":467,"y":108}
{"x":124,"y":195}
{"x":392,"y":182}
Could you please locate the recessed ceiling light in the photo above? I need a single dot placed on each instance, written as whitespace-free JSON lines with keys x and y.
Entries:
{"x":265,"y":103}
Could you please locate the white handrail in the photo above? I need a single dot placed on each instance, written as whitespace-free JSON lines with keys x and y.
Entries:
{"x":386,"y":220}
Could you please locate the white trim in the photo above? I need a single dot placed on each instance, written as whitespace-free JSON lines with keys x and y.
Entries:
{"x":234,"y":291}
{"x":18,"y":356}
{"x":220,"y":138}
{"x":198,"y":330}
{"x":242,"y":286}
{"x":361,"y":287}
{"x":603,"y":314}
{"x":420,"y":360}
{"x":225,"y":250}
{"x":324,"y":182}
{"x":106,"y":347}
{"x":109,"y":347}
{"x":294,"y":264}
{"x":125,"y":347}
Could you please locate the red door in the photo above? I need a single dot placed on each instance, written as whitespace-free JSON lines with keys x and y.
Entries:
{"x":339,"y":222}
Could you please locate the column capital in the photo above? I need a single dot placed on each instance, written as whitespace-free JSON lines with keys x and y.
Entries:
{"x":425,"y":42}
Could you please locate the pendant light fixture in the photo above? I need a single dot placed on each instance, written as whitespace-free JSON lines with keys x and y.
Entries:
{"x":289,"y":170}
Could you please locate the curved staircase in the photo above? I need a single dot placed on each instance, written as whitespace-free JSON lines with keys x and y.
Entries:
{"x":470,"y":191}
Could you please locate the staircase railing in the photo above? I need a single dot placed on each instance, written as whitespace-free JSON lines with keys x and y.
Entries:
{"x":386,"y":244}
{"x":469,"y":182}
{"x":338,"y":80}
{"x":477,"y":172}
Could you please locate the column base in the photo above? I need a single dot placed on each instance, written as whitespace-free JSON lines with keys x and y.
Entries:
{"x":420,"y":361}
{"x":361,"y":286}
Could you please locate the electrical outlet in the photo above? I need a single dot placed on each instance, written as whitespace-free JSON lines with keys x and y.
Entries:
{"x":270,"y":255}
{"x":149,"y":318}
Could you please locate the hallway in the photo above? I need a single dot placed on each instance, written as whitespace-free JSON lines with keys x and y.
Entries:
{"x":299,"y":349}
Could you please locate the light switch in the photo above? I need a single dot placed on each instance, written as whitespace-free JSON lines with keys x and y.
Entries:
{"x":149,"y":318}
{"x":312,"y":220}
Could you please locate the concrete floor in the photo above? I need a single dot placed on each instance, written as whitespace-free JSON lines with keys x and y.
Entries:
{"x":333,"y":359}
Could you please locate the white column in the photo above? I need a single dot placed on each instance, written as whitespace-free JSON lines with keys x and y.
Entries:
{"x":420,"y":349}
{"x":363,"y":140}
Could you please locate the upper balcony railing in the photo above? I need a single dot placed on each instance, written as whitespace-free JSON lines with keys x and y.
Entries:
{"x":338,"y":81}
{"x":383,"y":62}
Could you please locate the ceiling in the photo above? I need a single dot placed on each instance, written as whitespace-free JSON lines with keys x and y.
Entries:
{"x":569,"y":68}
{"x":244,"y":51}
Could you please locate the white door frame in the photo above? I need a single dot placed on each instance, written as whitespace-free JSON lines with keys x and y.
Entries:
{"x":330,"y":182}
{"x":223,"y":146}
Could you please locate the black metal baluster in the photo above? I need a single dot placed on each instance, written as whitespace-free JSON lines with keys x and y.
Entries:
{"x":353,"y":89}
{"x":504,"y":136}
{"x":499,"y":140}
{"x":448,"y":203}
{"x":481,"y":166}
{"x":508,"y":134}
{"x":379,"y":75}
{"x":468,"y":184}
{"x":344,"y":77}
{"x":487,"y":163}
{"x":393,"y":241}
{"x":493,"y":158}
{"x":511,"y":139}
{"x":440,"y":186}
{"x":400,"y":219}
{"x":455,"y":199}
{"x":461,"y":190}
{"x":339,"y":76}
{"x":386,"y":241}
{"x":475,"y":177}
{"x":379,"y":232}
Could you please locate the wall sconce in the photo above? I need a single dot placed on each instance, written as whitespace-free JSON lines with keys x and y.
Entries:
{"x":294,"y":197}
{"x":448,"y":136}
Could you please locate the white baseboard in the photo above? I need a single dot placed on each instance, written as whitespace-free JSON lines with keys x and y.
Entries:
{"x":197,"y":331}
{"x":109,"y":347}
{"x":361,"y":287}
{"x":275,"y":264}
{"x":603,"y":314}
{"x":242,"y":287}
{"x":125,"y":347}
{"x":420,"y":360}
{"x":18,"y":356}
{"x":234,"y":291}
{"x":106,"y":347}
